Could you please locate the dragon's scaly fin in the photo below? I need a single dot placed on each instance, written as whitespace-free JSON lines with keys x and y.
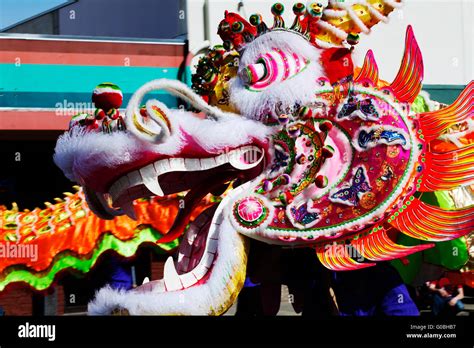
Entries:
{"x":426,"y":222}
{"x":407,"y":84}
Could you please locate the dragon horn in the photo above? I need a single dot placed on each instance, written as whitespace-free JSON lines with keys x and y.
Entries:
{"x":160,"y":126}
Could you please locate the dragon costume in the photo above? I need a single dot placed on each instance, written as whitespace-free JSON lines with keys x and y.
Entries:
{"x":68,"y":236}
{"x":310,"y":152}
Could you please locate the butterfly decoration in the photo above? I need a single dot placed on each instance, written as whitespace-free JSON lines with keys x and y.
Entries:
{"x":368,"y":139}
{"x":364,"y":109}
{"x":387,"y":173}
{"x":350,"y":195}
{"x":280,"y":160}
{"x":301,"y":216}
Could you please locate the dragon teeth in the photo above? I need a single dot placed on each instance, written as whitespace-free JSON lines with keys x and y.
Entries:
{"x":188,"y":280}
{"x":242,"y":158}
{"x":245,"y":158}
{"x":150,"y":180}
{"x":192,"y":164}
{"x":208,"y":163}
{"x":176,"y":165}
{"x":200,"y":271}
{"x":207,"y":260}
{"x":129,"y":210}
{"x":134,"y":178}
{"x":171,"y":276}
{"x":212,"y":245}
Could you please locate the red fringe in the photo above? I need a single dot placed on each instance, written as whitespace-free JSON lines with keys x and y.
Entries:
{"x":448,"y":170}
{"x":423,"y":221}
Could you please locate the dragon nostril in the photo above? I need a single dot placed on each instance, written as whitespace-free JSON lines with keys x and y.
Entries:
{"x":253,"y":73}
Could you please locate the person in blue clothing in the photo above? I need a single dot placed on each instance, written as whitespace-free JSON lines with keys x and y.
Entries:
{"x":120,"y":274}
{"x":377,"y":290}
{"x":373,"y":291}
{"x":446,"y":297}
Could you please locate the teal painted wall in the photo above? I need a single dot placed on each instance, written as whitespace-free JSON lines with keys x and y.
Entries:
{"x":35,"y":85}
{"x":444,"y":93}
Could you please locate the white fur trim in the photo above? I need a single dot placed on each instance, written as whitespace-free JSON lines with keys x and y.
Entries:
{"x":332,"y":13}
{"x":433,"y":105}
{"x":341,"y":34}
{"x":79,"y":152}
{"x":212,"y":297}
{"x":357,"y":21}
{"x":374,"y":12}
{"x":325,"y":44}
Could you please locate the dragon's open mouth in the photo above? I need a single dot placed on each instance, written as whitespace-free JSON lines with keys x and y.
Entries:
{"x":199,"y":177}
{"x":161,"y":152}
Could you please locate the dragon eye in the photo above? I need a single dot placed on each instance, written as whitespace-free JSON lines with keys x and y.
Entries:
{"x":255,"y":19}
{"x":237,"y":27}
{"x":224,"y":26}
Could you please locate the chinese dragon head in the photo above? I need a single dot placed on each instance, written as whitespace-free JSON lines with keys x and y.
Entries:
{"x":306,"y":150}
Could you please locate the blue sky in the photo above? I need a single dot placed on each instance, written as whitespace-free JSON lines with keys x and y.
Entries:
{"x":13,"y":11}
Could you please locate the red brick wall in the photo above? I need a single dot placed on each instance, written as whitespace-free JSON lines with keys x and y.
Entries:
{"x":60,"y":300}
{"x":157,"y":269}
{"x":17,"y":302}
